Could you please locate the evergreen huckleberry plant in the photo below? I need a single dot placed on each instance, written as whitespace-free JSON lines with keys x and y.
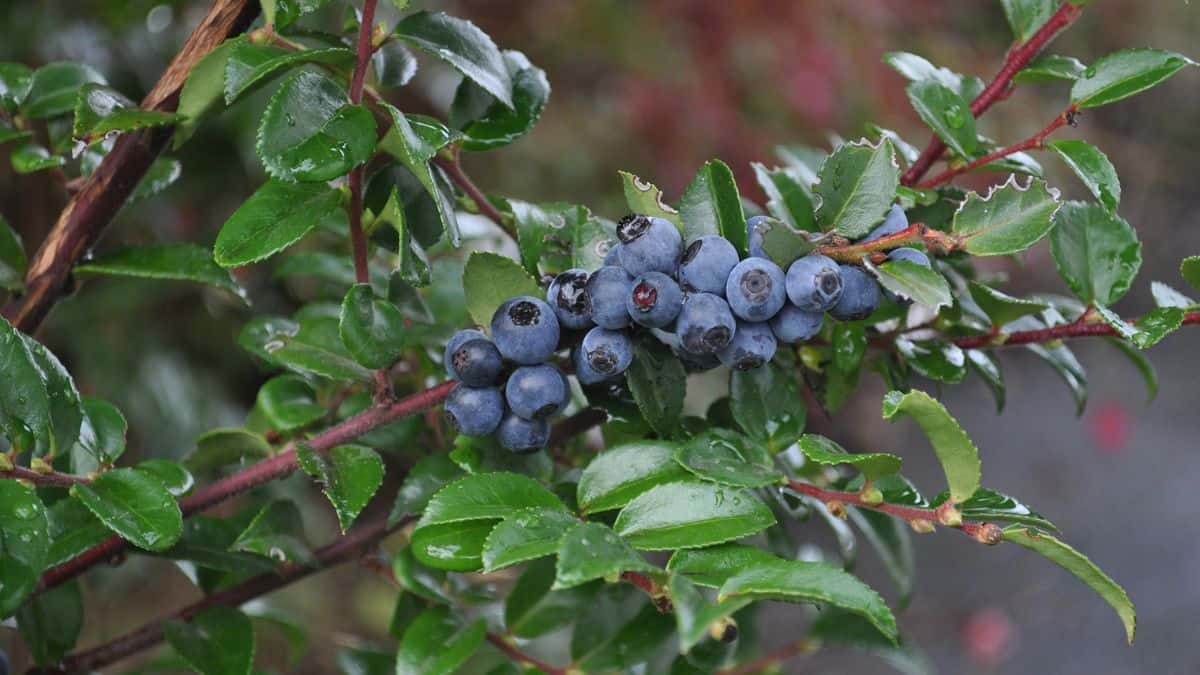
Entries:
{"x":560,"y":480}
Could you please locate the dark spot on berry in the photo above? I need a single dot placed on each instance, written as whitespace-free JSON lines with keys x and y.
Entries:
{"x":756,"y":285}
{"x":749,"y":362}
{"x":716,"y":338}
{"x":692,"y":251}
{"x":461,"y":359}
{"x":524,"y":313}
{"x":730,"y":633}
{"x":602,"y":360}
{"x":544,"y":411}
{"x":572,"y":293}
{"x":829,"y":282}
{"x":452,"y":420}
{"x":645,"y":296}
{"x":631,"y":227}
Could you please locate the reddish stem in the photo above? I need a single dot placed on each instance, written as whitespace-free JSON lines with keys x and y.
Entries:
{"x":364,"y":51}
{"x":1034,"y":142}
{"x":519,"y":656}
{"x":454,"y":170}
{"x":268,"y":470}
{"x":358,"y":241}
{"x":1068,"y":330}
{"x":51,"y":479}
{"x":1001,"y":85}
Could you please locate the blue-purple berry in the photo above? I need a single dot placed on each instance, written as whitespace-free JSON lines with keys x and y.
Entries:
{"x":537,"y":392}
{"x":814,"y":283}
{"x":608,"y":287}
{"x":457,"y":340}
{"x":860,"y":297}
{"x":654,"y":300}
{"x":649,"y":244}
{"x":474,"y":411}
{"x":525,"y":330}
{"x":522,"y":436}
{"x":756,"y":289}
{"x":705,"y":324}
{"x":752,"y":346}
{"x":792,"y":324}
{"x":569,"y":298}
{"x":476,"y":363}
{"x":896,"y":221}
{"x":706,"y":265}
{"x":607,"y":353}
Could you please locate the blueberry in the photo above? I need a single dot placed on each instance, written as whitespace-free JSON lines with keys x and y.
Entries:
{"x":523,"y":436}
{"x":474,"y":411}
{"x":569,"y":299}
{"x":608,"y":288}
{"x":705,"y":323}
{"x":648,"y":244}
{"x":654,"y":300}
{"x":756,"y":289}
{"x":911,"y":255}
{"x":477,"y":363}
{"x":860,"y":297}
{"x":606,"y":352}
{"x":896,"y":221}
{"x":706,"y":265}
{"x":792,"y":324}
{"x":756,"y":229}
{"x":525,"y":330}
{"x":752,"y":346}
{"x":584,"y":371}
{"x":457,"y":340}
{"x":537,"y":392}
{"x":613,"y":257}
{"x":814,"y":283}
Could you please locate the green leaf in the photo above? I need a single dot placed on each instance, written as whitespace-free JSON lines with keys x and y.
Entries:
{"x":24,"y":544}
{"x":172,"y":475}
{"x":727,"y":458}
{"x":935,"y":359}
{"x":711,"y":567}
{"x":394,"y":65}
{"x":958,"y":455}
{"x":428,"y":475}
{"x":311,"y":133}
{"x":276,"y":532}
{"x":646,"y":198}
{"x":222,"y":447}
{"x":349,"y":476}
{"x":1051,"y":68}
{"x":248,"y":65}
{"x":1025,"y":17}
{"x":135,"y":505}
{"x":437,"y":644}
{"x":1009,"y":219}
{"x":413,"y":265}
{"x":16,"y":79}
{"x":987,"y":368}
{"x":491,"y":279}
{"x":24,"y":401}
{"x":711,"y":205}
{"x":1125,"y":73}
{"x":1150,"y":328}
{"x":12,"y":258}
{"x":487,"y":496}
{"x":54,"y":87}
{"x":218,"y":641}
{"x":1096,"y":253}
{"x":372,"y":328}
{"x":694,"y":614}
{"x":415,"y":141}
{"x":907,"y":279}
{"x":276,"y":216}
{"x":986,"y":505}
{"x":65,"y":405}
{"x":182,"y":262}
{"x":788,"y":199}
{"x":767,"y":405}
{"x":1002,"y":308}
{"x":73,"y":530}
{"x":797,"y":581}
{"x":1093,"y":168}
{"x":289,"y":402}
{"x":1166,"y":296}
{"x":782,"y":243}
{"x":634,"y":643}
{"x":621,"y":473}
{"x":593,"y":551}
{"x":1085,"y":570}
{"x":202,"y":89}
{"x":101,"y":436}
{"x":917,"y":68}
{"x":691,"y":515}
{"x":29,"y":158}
{"x":528,"y":534}
{"x":858,"y":184}
{"x":283,"y":13}
{"x":313,"y":346}
{"x":658,"y":382}
{"x":487,"y":123}
{"x":463,"y":46}
{"x":51,"y":621}
{"x":102,"y":110}
{"x":946,"y":113}
{"x":1189,"y":268}
{"x":532,"y":609}
{"x":873,"y":465}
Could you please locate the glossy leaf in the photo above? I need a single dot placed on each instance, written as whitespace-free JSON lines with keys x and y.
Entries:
{"x":73,"y":530}
{"x":1166,"y":296}
{"x":767,"y":405}
{"x":711,"y":205}
{"x":1010,"y":219}
{"x":989,"y":505}
{"x":173,"y":476}
{"x":222,"y":447}
{"x":311,"y":133}
{"x":415,"y":141}
{"x":1189,"y":268}
{"x":1096,"y":253}
{"x":16,"y":79}
{"x":873,"y":465}
{"x":711,"y":567}
{"x":958,"y":455}
{"x":24,"y":544}
{"x":636,"y":642}
{"x":461,"y":44}
{"x":428,"y":475}
{"x":917,"y":68}
{"x":182,"y":262}
{"x":858,"y":184}
{"x":946,"y":113}
{"x":919,"y":283}
{"x":1051,"y":68}
{"x":102,"y":110}
{"x":1000,"y":307}
{"x":64,"y":403}
{"x":1125,"y":73}
{"x":202,"y":90}
{"x":1093,"y":168}
{"x":51,"y":621}
{"x":54,"y":87}
{"x":487,"y":123}
{"x":1085,"y":570}
{"x":372,"y":328}
{"x":691,"y":515}
{"x":24,"y":402}
{"x":218,"y":641}
{"x":797,"y":581}
{"x":657,"y":380}
{"x":528,"y":534}
{"x":349,"y":476}
{"x":787,"y":198}
{"x":276,"y":216}
{"x":1025,"y":17}
{"x":249,"y":65}
{"x":312,"y":347}
{"x":784,"y":244}
{"x":491,"y":279}
{"x":727,"y":458}
{"x":29,"y":158}
{"x":283,"y":13}
{"x":694,"y":614}
{"x":988,"y":369}
{"x":276,"y":532}
{"x":288,"y":402}
{"x":646,"y":198}
{"x":413,"y":265}
{"x":935,"y":359}
{"x":593,"y":551}
{"x":455,"y":546}
{"x":438,"y":644}
{"x":621,"y":473}
{"x":532,"y":609}
{"x":135,"y":505}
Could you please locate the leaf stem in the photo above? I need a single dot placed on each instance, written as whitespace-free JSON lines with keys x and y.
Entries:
{"x":936,"y":241}
{"x":1001,"y":85}
{"x":40,"y":479}
{"x":358,"y":240}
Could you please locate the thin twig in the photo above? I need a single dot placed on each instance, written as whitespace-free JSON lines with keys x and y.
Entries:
{"x":1034,"y":142}
{"x":454,"y":170}
{"x":358,"y":240}
{"x":43,"y":479}
{"x":1040,"y":335}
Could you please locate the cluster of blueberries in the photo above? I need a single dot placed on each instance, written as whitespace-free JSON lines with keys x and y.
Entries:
{"x":711,"y":307}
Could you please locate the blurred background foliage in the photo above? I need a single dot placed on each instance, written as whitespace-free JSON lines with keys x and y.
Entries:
{"x":656,"y":87}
